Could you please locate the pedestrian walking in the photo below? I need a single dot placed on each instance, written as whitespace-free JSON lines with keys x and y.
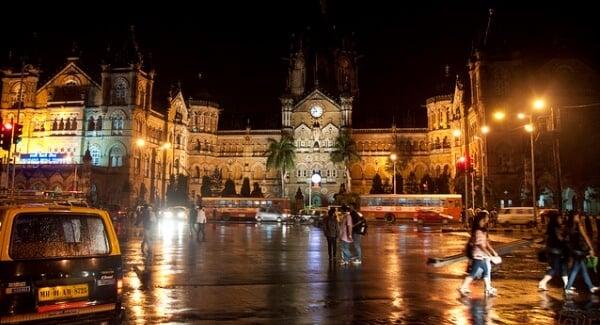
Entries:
{"x":580,"y":248}
{"x":192,"y":219}
{"x":356,"y":259}
{"x":346,"y":235}
{"x":494,"y":217}
{"x":201,"y":224}
{"x":482,"y":253}
{"x":147,"y":219}
{"x":331,"y":229}
{"x":556,"y":249}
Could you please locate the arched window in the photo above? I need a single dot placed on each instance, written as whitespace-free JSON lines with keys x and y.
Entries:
{"x":91,"y":124}
{"x":96,"y":155}
{"x":146,"y":166}
{"x":17,"y":95}
{"x":120,"y":90}
{"x":117,"y":122}
{"x":116,"y":157}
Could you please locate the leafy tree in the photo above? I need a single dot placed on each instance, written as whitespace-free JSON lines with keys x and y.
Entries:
{"x":377,"y":187}
{"x":427,"y":185}
{"x":412,"y":186}
{"x":443,"y":182}
{"x":245,"y":190}
{"x":281,"y":155}
{"x":344,"y":152}
{"x":177,"y":190}
{"x":229,"y":189}
{"x":256,"y":191}
{"x":205,"y":189}
{"x":399,"y":184}
{"x":216,"y":181}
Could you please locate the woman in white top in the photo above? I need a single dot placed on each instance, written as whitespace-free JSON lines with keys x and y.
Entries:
{"x":482,"y":253}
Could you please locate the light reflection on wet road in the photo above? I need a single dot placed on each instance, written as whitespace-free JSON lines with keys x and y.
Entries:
{"x":273,"y":273}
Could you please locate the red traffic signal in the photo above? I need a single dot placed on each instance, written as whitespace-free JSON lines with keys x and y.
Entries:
{"x":463,"y":163}
{"x":7,"y":133}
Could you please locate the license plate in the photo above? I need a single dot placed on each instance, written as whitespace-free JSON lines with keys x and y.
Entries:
{"x":63,"y":292}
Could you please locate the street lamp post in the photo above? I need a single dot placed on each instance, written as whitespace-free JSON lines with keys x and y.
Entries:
{"x":457,"y":134}
{"x":534,"y":196}
{"x":393,"y":157}
{"x":483,"y":162}
{"x":315,"y":178}
{"x":556,"y":154}
{"x":538,"y":104}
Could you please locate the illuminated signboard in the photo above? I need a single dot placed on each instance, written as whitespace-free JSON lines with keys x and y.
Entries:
{"x":43,"y":158}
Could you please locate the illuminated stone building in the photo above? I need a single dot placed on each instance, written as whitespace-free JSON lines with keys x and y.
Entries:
{"x":82,"y":131}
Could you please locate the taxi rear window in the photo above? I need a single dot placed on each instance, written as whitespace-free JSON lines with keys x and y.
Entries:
{"x":47,"y":235}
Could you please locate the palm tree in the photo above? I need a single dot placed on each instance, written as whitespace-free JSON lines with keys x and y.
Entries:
{"x":281,"y":155}
{"x":344,"y":151}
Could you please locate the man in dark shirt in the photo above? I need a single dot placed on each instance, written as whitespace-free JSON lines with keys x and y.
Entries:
{"x":145,"y":218}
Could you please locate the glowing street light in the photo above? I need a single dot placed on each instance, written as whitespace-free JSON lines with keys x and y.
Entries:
{"x":315,"y":178}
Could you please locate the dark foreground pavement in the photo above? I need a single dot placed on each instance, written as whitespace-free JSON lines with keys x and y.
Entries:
{"x":280,"y":274}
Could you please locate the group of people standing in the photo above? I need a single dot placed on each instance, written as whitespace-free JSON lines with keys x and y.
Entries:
{"x":567,"y":246}
{"x":345,"y":230}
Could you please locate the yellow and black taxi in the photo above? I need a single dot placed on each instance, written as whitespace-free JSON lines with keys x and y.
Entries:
{"x":59,"y":264}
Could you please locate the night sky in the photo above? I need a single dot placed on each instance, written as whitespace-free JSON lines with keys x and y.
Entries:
{"x":237,"y":46}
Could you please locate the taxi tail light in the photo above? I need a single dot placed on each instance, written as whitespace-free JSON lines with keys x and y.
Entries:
{"x":119,"y":286}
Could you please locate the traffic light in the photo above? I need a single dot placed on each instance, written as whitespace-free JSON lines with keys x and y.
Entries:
{"x":17,"y":134}
{"x":461,"y":162}
{"x":6,"y":136}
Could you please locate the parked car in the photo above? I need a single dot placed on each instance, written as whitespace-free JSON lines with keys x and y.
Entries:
{"x":270,"y":214}
{"x":516,"y":216}
{"x":60,"y":264}
{"x":432,"y":217}
{"x":312,"y":216}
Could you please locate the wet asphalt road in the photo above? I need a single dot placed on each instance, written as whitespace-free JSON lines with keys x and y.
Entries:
{"x":246,"y":273}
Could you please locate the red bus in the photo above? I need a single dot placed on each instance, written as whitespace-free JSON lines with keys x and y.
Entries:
{"x":393,"y":207}
{"x":241,"y":208}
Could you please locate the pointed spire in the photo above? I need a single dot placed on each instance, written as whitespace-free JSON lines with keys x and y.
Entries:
{"x":487,"y":30}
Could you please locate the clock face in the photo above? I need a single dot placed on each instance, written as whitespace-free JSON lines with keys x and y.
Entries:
{"x":316,"y":111}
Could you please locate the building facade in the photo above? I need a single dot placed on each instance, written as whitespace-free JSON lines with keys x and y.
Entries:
{"x":106,"y":136}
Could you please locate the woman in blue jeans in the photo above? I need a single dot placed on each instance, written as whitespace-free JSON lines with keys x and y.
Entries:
{"x":556,"y":249}
{"x":346,"y":236}
{"x":581,"y":248}
{"x":482,"y":253}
